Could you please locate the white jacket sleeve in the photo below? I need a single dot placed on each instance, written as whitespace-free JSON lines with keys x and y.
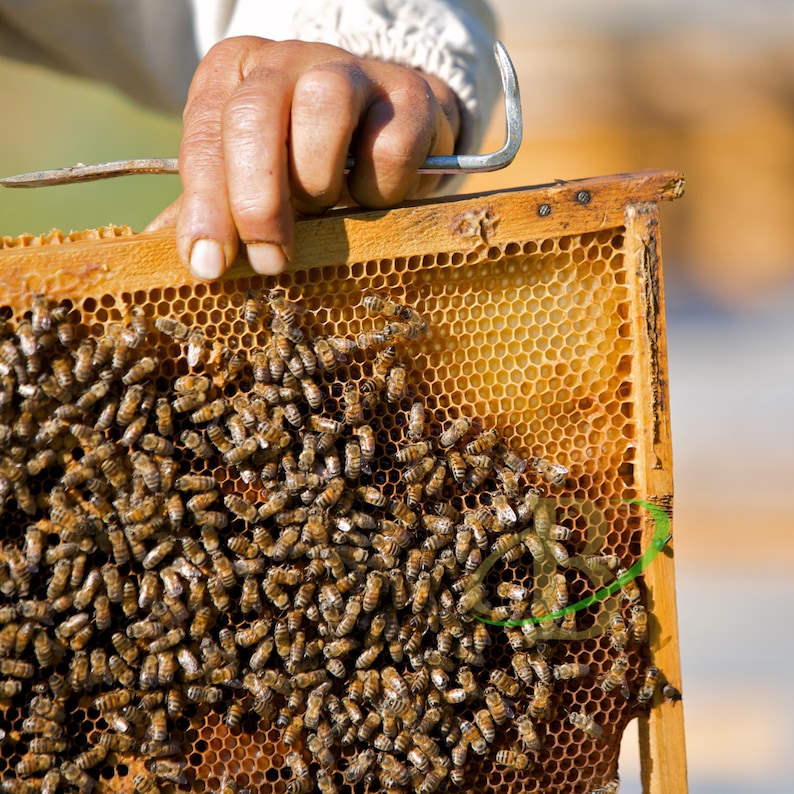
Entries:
{"x":451,"y":39}
{"x":146,"y":48}
{"x":149,"y":49}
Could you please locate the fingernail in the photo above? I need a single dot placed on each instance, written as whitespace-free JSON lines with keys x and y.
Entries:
{"x":266,"y":258}
{"x":207,"y":260}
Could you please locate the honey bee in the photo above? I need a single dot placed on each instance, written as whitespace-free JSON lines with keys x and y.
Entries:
{"x":113,"y":700}
{"x":275,"y":593}
{"x":34,"y":764}
{"x":204,"y":694}
{"x":241,"y":453}
{"x":402,"y":512}
{"x":416,"y":421}
{"x":249,"y":598}
{"x":671,"y":694}
{"x":196,"y":347}
{"x":481,"y":467}
{"x":330,"y":495}
{"x":359,"y":767}
{"x":326,"y":355}
{"x":218,"y":438}
{"x":454,"y":432}
{"x":158,"y":725}
{"x":41,"y":318}
{"x":540,"y":706}
{"x":41,"y":726}
{"x":59,"y":578}
{"x":638,"y":625}
{"x":253,"y":308}
{"x":512,"y":759}
{"x":378,"y":304}
{"x":218,"y":593}
{"x":210,"y":521}
{"x":139,"y":370}
{"x":648,"y":686}
{"x":240,"y":507}
{"x":527,"y":733}
{"x":196,"y":444}
{"x":421,"y":592}
{"x":156,"y":556}
{"x":395,"y":383}
{"x":618,"y":633}
{"x":119,"y":670}
{"x":129,"y":404}
{"x":333,"y":464}
{"x":419,"y":470}
{"x":10,"y":688}
{"x":608,"y":787}
{"x":373,"y":589}
{"x":553,"y":473}
{"x":166,"y":769}
{"x":91,"y":757}
{"x":17,"y":668}
{"x":512,"y":591}
{"x":126,"y":649}
{"x":43,"y":460}
{"x":471,"y":733}
{"x":352,"y":459}
{"x":616,"y":676}
{"x":505,"y":683}
{"x":368,"y":339}
{"x":497,"y":706}
{"x":144,"y":783}
{"x":324,"y":780}
{"x":586,"y":723}
{"x":40,"y":744}
{"x":168,"y":640}
{"x":259,"y":365}
{"x":354,"y":410}
{"x":569,"y":671}
{"x":608,"y":561}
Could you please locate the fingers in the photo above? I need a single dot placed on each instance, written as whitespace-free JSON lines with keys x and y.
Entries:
{"x":206,"y":234}
{"x":267,"y":130}
{"x":255,"y":124}
{"x":327,"y":104}
{"x":404,"y":124}
{"x":167,"y":218}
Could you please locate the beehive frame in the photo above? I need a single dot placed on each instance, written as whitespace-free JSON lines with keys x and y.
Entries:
{"x":546,"y":311}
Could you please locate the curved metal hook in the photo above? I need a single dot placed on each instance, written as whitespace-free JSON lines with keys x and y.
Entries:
{"x":438,"y":164}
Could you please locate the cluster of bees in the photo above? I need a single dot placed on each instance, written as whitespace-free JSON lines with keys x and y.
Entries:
{"x":301,"y":591}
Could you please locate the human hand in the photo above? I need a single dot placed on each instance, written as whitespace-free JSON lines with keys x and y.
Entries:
{"x":267,"y":130}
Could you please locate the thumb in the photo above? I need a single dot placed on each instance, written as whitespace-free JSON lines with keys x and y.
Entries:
{"x":166,"y":219}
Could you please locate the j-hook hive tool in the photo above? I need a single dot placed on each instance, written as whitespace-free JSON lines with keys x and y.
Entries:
{"x":439,"y":164}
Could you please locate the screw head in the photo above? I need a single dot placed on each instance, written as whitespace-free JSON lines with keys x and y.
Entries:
{"x":583,"y":197}
{"x":544,"y":210}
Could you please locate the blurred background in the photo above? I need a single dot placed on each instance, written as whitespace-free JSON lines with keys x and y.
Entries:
{"x":706,"y":88}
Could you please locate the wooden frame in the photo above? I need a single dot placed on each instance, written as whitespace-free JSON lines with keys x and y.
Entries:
{"x":125,"y":263}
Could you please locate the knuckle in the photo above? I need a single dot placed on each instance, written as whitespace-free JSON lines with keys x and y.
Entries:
{"x":251,"y":211}
{"x":326,"y":90}
{"x":315,"y":198}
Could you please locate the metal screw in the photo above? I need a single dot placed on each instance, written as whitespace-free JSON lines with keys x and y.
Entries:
{"x":583,"y":197}
{"x":544,"y":210}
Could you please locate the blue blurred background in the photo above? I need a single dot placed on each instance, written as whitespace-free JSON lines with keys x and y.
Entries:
{"x":614,"y":86}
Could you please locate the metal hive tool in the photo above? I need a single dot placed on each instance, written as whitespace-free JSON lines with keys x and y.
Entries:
{"x":545,"y":324}
{"x":438,"y":164}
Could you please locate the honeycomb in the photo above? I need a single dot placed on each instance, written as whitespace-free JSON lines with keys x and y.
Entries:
{"x":531,"y":342}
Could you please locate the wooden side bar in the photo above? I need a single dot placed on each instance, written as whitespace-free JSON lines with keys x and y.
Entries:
{"x":662,"y":753}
